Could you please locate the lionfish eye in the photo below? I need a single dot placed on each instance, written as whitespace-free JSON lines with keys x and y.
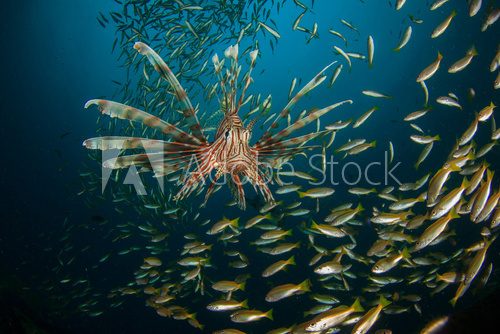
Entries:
{"x":227,"y":134}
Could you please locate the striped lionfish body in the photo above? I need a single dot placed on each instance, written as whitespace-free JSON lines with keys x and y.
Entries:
{"x":230,"y":154}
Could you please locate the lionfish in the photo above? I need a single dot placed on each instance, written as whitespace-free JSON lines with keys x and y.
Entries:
{"x":230,"y":152}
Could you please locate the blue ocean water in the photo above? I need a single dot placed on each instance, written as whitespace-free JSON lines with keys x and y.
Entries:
{"x":57,"y":56}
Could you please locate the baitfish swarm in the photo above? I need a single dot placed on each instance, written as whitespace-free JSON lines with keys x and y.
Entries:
{"x":230,"y":153}
{"x":344,"y":268}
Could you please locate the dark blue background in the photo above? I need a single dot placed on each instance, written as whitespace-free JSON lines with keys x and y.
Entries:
{"x":55,"y":56}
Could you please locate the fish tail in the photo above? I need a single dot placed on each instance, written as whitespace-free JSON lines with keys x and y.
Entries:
{"x":405,"y":253}
{"x":269,"y":314}
{"x":291,"y":260}
{"x":473,"y":51}
{"x":454,"y":214}
{"x":422,"y":197}
{"x":314,"y":225}
{"x":305,"y":286}
{"x":360,"y":207}
{"x":356,"y":306}
{"x":235,"y":221}
{"x":244,"y":304}
{"x":465,"y":183}
{"x":406,"y":214}
{"x":471,"y":155}
{"x":383,"y":301}
{"x":455,"y":167}
{"x":489,"y":242}
{"x":242,"y":286}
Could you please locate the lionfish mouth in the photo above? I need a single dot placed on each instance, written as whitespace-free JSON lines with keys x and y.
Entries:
{"x":229,"y":154}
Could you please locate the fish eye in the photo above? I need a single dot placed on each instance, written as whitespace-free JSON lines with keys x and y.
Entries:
{"x":227,"y":133}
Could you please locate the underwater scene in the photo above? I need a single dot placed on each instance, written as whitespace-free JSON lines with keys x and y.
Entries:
{"x":261,"y":166}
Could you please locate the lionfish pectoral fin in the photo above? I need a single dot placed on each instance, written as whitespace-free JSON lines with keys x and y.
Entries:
{"x":188,"y":187}
{"x":121,"y":143}
{"x":162,"y":68}
{"x":122,"y":111}
{"x":265,"y":191}
{"x":211,"y":188}
{"x":300,"y":123}
{"x":129,"y":160}
{"x":194,"y":180}
{"x":257,"y":180}
{"x":316,"y":81}
{"x":296,"y":141}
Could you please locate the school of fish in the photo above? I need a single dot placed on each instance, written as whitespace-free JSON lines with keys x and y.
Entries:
{"x":244,"y":269}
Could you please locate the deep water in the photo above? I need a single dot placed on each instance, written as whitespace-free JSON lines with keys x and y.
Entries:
{"x":56,"y":56}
